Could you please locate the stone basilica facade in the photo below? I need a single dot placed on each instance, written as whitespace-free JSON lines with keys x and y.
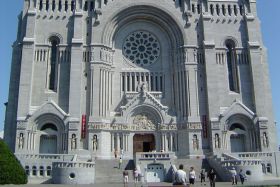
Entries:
{"x":99,"y":77}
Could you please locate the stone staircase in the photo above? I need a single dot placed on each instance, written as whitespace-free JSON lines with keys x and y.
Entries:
{"x":224,"y":164}
{"x":198,"y":164}
{"x":107,"y":171}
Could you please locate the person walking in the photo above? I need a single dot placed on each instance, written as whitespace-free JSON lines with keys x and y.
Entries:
{"x":202,"y":177}
{"x":192,"y":176}
{"x":233,"y":176}
{"x":120,"y":162}
{"x":125,"y":177}
{"x":180,"y":176}
{"x":242,"y":176}
{"x":212,"y":177}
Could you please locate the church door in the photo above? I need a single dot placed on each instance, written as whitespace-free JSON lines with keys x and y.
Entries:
{"x":143,"y":143}
{"x":237,"y":143}
{"x":48,"y":144}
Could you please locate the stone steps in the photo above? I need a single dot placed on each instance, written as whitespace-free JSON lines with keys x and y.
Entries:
{"x":107,"y":171}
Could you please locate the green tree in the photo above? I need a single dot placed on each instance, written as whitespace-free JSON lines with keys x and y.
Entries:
{"x":11,"y":171}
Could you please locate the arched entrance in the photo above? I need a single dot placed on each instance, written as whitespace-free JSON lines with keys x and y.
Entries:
{"x":48,"y":139}
{"x":143,"y":143}
{"x":237,"y":138}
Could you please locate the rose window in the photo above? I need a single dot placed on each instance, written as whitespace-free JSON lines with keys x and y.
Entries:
{"x":141,"y":48}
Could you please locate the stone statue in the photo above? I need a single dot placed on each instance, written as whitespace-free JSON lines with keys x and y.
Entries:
{"x":73,"y":142}
{"x":20,"y":141}
{"x":217,"y":141}
{"x":265,"y":140}
{"x":195,"y":143}
{"x":94,"y":143}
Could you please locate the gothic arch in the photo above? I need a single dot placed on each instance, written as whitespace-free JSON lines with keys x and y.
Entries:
{"x":56,"y":36}
{"x":147,"y":110}
{"x":161,"y":17}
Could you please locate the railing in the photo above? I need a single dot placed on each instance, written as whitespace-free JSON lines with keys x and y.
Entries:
{"x":230,"y":163}
{"x":155,"y":156}
{"x":61,"y":157}
{"x":254,"y":154}
{"x":73,"y":164}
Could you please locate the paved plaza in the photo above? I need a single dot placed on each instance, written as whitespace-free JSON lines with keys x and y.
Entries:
{"x":272,"y":183}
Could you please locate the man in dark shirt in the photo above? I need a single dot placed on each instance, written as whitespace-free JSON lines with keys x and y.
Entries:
{"x":212,"y":177}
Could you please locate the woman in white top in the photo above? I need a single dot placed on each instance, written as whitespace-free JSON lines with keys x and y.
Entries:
{"x":192,"y":176}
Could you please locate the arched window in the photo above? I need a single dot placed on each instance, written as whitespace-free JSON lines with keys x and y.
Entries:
{"x":49,"y":169}
{"x":27,"y":170}
{"x":235,"y":10}
{"x":47,"y":5}
{"x":212,"y":9}
{"x":232,"y":67}
{"x":224,"y":10}
{"x":52,"y":68}
{"x":59,"y":6}
{"x":218,"y":9}
{"x":229,"y":10}
{"x":53,"y":5}
{"x":41,"y":170}
{"x":34,"y":170}
{"x":41,"y":5}
{"x":72,"y":5}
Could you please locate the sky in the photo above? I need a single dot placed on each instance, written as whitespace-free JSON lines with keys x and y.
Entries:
{"x":267,"y":12}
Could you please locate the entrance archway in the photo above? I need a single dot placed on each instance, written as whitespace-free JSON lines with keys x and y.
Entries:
{"x":48,"y":139}
{"x":143,"y":143}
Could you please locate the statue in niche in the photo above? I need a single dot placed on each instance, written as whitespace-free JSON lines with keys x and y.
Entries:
{"x":142,"y":87}
{"x":265,"y":140}
{"x":217,"y":141}
{"x":73,"y":142}
{"x":195,"y":142}
{"x":20,"y":141}
{"x":95,"y":143}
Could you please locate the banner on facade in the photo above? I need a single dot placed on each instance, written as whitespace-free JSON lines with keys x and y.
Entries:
{"x":83,"y":133}
{"x":204,"y":126}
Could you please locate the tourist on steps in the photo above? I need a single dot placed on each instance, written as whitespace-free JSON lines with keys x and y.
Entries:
{"x":212,"y":177}
{"x":192,"y":176}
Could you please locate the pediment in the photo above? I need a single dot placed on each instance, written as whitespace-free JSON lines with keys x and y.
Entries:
{"x":50,"y":108}
{"x":142,"y":98}
{"x":237,"y":108}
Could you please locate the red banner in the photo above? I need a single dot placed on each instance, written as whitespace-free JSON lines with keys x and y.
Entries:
{"x":83,"y":130}
{"x":204,"y":126}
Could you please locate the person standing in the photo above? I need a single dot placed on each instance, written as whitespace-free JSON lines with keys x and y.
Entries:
{"x":202,"y":177}
{"x":233,"y":176}
{"x":125,"y":177}
{"x":192,"y":176}
{"x":180,"y":176}
{"x":212,"y":177}
{"x":242,"y":176}
{"x":136,"y":175}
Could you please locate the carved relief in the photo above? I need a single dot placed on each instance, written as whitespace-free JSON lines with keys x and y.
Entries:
{"x":144,"y":122}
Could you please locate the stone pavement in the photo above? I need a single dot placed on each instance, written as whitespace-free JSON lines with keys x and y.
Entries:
{"x":272,"y":183}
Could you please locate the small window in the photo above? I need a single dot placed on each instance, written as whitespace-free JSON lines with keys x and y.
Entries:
{"x":34,"y":170}
{"x":27,"y":170}
{"x":59,"y":6}
{"x":41,"y":5}
{"x":47,"y":5}
{"x":91,"y":6}
{"x":229,"y":10}
{"x":224,"y":10}
{"x":66,"y":6}
{"x":235,"y":10}
{"x":41,"y":170}
{"x":53,"y":5}
{"x":49,"y":169}
{"x":218,"y":9}
{"x":72,"y":6}
{"x":212,"y":9}
{"x":198,"y":9}
{"x":241,"y":8}
{"x":86,"y":6}
{"x":193,"y":8}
